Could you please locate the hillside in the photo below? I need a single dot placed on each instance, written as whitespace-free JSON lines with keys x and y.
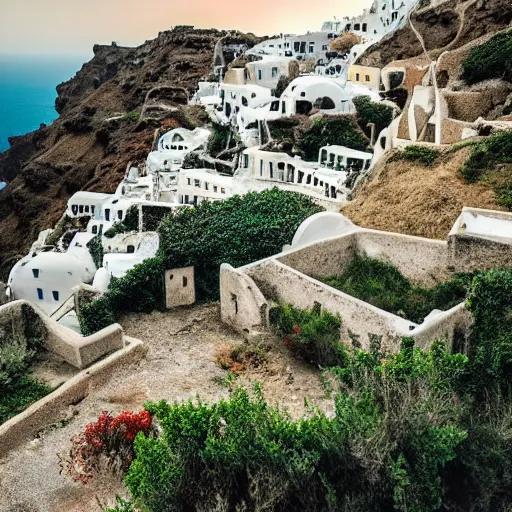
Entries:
{"x":417,"y":199}
{"x":99,"y":130}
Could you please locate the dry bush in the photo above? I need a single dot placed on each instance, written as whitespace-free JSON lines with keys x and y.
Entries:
{"x":345,"y":42}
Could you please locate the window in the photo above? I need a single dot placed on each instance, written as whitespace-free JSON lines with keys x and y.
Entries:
{"x":275,"y":72}
{"x":246,"y":161}
{"x":303,"y":94}
{"x":86,"y":208}
{"x":74,"y":209}
{"x":261,"y":167}
{"x":324,"y":47}
{"x":206,"y":186}
{"x":367,"y":78}
{"x":120,"y":214}
{"x":365,"y":27}
{"x":185,"y":282}
{"x":283,"y":107}
{"x":107,"y":214}
{"x":260,"y":74}
{"x":274,"y":106}
{"x":222,"y":190}
{"x":81,"y":208}
{"x":245,"y":103}
{"x":92,"y":209}
{"x":271,"y":46}
{"x":95,"y":230}
{"x":130,"y":249}
{"x":55,"y":295}
{"x":253,"y":95}
{"x":35,"y":271}
{"x":357,"y":26}
{"x":271,"y":170}
{"x":296,"y":46}
{"x":188,"y":181}
{"x":197,"y":183}
{"x":215,"y":188}
{"x":357,"y":77}
{"x":40,"y":293}
{"x":394,"y":16}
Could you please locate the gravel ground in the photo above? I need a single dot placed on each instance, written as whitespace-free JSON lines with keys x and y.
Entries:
{"x":180,"y":365}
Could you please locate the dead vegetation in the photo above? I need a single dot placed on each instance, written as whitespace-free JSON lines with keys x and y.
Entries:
{"x":415,"y":199}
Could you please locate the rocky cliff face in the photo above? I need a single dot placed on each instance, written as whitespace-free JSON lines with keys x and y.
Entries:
{"x":100,"y":129}
{"x":446,"y":24}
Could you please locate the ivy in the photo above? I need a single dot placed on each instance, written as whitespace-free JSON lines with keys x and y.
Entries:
{"x":96,"y":249}
{"x":372,"y":112}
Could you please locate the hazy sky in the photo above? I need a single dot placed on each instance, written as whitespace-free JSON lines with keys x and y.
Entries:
{"x":73,"y":26}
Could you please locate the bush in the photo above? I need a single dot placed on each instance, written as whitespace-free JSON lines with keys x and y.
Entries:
{"x":369,"y":111}
{"x":282,"y":83}
{"x":385,"y":287}
{"x":218,"y":140}
{"x":383,"y":449}
{"x":96,"y":315}
{"x":327,"y":130}
{"x":492,"y":59}
{"x":312,"y":334}
{"x":345,"y":42}
{"x":237,"y":231}
{"x":96,"y":250}
{"x":108,"y":441}
{"x":423,"y":155}
{"x":487,"y":154}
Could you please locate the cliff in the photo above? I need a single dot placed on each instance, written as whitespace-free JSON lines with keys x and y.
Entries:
{"x":100,"y":130}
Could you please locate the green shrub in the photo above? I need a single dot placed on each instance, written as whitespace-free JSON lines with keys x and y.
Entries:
{"x":20,"y":394}
{"x":313,"y":334}
{"x":237,"y":231}
{"x":384,"y":286}
{"x":96,"y":249}
{"x":131,"y":117}
{"x":423,"y":155}
{"x":384,"y":448}
{"x":282,"y":83}
{"x":218,"y":140}
{"x":96,"y":315}
{"x":117,"y":229}
{"x":340,"y":130}
{"x":487,"y":154}
{"x":369,"y":111}
{"x":492,"y":59}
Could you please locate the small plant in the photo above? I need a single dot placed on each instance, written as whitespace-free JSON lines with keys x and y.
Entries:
{"x":121,"y":506}
{"x":312,"y":334}
{"x":107,"y":441}
{"x":131,"y":117}
{"x":420,"y":154}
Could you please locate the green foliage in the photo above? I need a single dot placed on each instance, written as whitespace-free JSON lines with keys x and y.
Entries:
{"x":384,"y":286}
{"x":313,"y":334}
{"x":283,"y":128}
{"x":490,"y":160}
{"x":492,"y":59}
{"x":117,"y":229}
{"x":131,"y":117}
{"x":423,"y":155}
{"x":152,"y":216}
{"x":218,"y":140}
{"x":237,"y":231}
{"x":96,"y":249}
{"x":20,"y":394}
{"x":378,"y":452}
{"x":96,"y":315}
{"x":372,"y":112}
{"x":486,"y":154}
{"x":328,"y":130}
{"x":490,"y":347}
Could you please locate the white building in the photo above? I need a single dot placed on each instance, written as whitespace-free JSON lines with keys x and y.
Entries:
{"x":197,"y":185}
{"x":47,"y":278}
{"x":174,"y":146}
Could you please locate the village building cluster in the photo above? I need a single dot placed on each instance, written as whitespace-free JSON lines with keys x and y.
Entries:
{"x":245,"y":99}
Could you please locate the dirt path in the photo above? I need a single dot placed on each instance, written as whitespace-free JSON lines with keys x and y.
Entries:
{"x":180,"y":365}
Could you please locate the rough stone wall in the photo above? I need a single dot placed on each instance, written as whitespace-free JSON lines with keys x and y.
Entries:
{"x":470,"y":253}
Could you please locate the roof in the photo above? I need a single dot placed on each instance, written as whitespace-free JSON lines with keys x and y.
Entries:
{"x":83,"y":195}
{"x":351,"y":153}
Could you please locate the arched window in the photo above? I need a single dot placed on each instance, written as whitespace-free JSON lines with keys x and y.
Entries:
{"x":130,"y":249}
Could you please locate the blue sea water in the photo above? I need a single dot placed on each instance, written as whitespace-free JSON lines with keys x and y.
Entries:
{"x":27,"y":90}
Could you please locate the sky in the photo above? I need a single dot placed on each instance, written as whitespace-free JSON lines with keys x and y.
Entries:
{"x":74,"y":26}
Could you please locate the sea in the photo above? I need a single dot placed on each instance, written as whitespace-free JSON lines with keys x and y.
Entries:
{"x":27,"y":90}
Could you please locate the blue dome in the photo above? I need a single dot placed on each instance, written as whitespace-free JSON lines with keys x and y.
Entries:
{"x":2,"y":185}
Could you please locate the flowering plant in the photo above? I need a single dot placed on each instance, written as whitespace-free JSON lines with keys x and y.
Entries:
{"x":107,"y":441}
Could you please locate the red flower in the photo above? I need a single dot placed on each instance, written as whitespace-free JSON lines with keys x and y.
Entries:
{"x":296,"y":329}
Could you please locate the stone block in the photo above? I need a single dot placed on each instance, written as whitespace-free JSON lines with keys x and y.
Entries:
{"x":180,"y":287}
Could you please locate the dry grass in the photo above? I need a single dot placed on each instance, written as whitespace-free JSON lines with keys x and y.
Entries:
{"x":409,"y":198}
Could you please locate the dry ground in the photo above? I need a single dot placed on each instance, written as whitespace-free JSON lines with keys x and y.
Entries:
{"x":180,"y":365}
{"x":413,"y":199}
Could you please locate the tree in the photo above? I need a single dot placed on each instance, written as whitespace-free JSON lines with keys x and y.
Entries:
{"x":345,"y":42}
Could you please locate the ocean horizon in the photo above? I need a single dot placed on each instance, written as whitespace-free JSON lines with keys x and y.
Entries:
{"x":28,"y":90}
